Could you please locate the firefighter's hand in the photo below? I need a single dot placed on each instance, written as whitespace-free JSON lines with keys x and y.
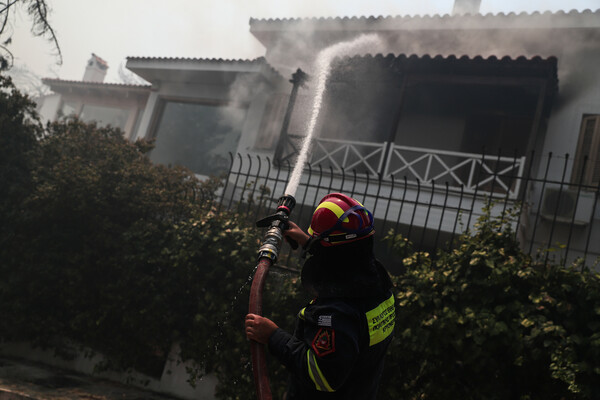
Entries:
{"x":259,"y":328}
{"x":296,"y":234}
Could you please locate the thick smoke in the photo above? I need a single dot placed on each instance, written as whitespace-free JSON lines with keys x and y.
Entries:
{"x":501,"y":35}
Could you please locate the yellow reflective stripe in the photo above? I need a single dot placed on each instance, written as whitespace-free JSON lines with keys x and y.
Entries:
{"x":301,"y":313}
{"x":381,"y":321}
{"x":334,"y":208}
{"x":316,"y":375}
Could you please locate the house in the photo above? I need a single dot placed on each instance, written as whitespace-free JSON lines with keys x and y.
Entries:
{"x":117,"y":105}
{"x":503,"y":106}
{"x":200,"y":110}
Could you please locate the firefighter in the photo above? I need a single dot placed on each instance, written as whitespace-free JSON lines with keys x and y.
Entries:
{"x":341,"y":336}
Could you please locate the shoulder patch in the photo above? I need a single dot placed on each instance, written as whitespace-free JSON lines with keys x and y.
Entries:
{"x":324,"y":320}
{"x":324,"y":342}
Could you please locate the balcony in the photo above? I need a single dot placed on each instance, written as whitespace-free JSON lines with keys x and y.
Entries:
{"x":477,"y":174}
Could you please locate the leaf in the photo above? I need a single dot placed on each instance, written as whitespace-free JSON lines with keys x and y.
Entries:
{"x":527,"y":323}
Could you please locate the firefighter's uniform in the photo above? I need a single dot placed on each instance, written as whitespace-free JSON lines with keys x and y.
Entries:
{"x":338,"y":347}
{"x":341,"y":337}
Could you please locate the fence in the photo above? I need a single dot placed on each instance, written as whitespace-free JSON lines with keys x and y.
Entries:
{"x":556,"y":217}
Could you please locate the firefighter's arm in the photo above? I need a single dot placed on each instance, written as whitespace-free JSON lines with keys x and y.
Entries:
{"x":325,"y":358}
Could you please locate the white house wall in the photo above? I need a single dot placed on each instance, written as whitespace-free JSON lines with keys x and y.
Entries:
{"x":49,"y":106}
{"x":579,"y":94}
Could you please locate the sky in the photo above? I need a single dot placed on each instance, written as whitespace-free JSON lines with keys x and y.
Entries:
{"x":116,"y":29}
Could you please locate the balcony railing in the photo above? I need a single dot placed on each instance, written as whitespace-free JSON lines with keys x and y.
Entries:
{"x":348,"y":155}
{"x":474,"y":173}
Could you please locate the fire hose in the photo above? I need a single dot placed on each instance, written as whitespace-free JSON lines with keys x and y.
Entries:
{"x":267,"y":256}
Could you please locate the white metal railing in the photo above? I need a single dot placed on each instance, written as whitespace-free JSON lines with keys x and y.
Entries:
{"x":474,"y":172}
{"x":348,"y":155}
{"x":484,"y":174}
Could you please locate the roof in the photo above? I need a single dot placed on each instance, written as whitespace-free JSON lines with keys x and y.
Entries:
{"x":456,"y":66}
{"x":268,"y":30}
{"x":518,"y":71}
{"x":55,"y":81}
{"x":588,"y":16}
{"x":159,"y":68}
{"x":122,"y":89}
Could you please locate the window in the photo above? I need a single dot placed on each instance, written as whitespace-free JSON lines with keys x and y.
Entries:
{"x":69,"y":109}
{"x":105,"y":116}
{"x":587,"y":171}
{"x":198,"y":136}
{"x":270,"y":127}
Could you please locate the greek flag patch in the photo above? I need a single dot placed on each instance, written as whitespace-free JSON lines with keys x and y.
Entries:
{"x":324,"y":320}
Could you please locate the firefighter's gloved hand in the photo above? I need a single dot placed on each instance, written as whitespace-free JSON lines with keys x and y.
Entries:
{"x":295,"y":234}
{"x":259,"y":328}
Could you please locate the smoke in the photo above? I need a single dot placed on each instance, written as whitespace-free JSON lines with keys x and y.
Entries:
{"x":361,"y":45}
{"x":547,"y":34}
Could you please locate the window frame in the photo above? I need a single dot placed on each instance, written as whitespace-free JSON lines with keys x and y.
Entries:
{"x":586,"y":178}
{"x":163,"y":102}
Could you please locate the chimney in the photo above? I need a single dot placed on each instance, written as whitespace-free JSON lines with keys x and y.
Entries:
{"x":95,"y":70}
{"x":466,"y":7}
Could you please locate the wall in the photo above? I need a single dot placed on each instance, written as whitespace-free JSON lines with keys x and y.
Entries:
{"x":48,"y":106}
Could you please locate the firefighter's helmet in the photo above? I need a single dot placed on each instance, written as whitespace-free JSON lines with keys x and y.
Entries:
{"x":340,"y":219}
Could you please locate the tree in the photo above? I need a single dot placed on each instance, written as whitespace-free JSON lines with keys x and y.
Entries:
{"x":97,"y":216}
{"x":38,"y":11}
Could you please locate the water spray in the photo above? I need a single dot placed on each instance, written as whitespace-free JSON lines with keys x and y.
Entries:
{"x":360,"y":45}
{"x":267,"y":256}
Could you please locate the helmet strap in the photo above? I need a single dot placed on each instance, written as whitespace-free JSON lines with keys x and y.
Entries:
{"x":361,"y":231}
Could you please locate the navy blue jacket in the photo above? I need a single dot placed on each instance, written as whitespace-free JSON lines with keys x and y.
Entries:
{"x":338,"y":347}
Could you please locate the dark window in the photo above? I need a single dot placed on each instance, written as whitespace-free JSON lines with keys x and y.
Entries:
{"x":105,"y":116}
{"x":198,"y":136}
{"x":270,"y":126}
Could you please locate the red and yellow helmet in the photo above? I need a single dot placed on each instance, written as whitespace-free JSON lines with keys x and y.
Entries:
{"x":340,"y":219}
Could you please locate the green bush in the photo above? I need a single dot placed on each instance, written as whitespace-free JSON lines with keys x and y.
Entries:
{"x":486,"y":321}
{"x":109,"y":251}
{"x":106,"y":250}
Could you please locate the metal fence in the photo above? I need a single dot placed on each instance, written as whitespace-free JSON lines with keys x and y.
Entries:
{"x":557,"y":218}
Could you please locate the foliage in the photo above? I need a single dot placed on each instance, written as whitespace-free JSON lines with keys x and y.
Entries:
{"x":109,"y":251}
{"x":120,"y":255}
{"x":485,"y":321}
{"x":19,"y":130}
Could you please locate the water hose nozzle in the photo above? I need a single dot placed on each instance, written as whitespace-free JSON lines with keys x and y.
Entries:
{"x":277,"y":223}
